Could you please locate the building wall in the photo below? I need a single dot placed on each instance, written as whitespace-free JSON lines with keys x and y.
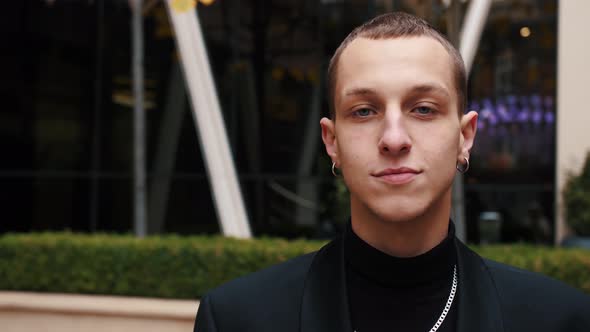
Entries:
{"x":573,"y":110}
{"x":28,"y":311}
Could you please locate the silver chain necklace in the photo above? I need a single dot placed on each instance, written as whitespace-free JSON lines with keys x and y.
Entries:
{"x":445,"y":311}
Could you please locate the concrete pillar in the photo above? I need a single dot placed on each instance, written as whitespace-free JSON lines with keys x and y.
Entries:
{"x":573,"y":110}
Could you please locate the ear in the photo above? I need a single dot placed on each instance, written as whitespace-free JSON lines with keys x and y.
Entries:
{"x":468,"y":131}
{"x":329,"y":138}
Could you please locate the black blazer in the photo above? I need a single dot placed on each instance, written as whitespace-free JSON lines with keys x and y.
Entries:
{"x":308,"y":294}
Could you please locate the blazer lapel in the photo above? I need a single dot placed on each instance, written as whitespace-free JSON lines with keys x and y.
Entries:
{"x":324,"y":307}
{"x":479,"y":303}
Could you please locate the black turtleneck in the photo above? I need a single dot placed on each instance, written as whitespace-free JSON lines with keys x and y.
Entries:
{"x":387,"y":293}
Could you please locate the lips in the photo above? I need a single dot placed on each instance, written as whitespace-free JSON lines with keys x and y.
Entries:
{"x":399,"y":175}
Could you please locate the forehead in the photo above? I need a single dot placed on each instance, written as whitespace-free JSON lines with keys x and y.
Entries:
{"x":394,"y":64}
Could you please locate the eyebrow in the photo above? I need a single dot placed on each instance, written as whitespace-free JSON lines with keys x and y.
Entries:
{"x":430,"y":88}
{"x":422,"y":88}
{"x":360,"y":92}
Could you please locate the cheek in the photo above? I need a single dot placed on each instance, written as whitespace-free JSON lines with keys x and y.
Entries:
{"x":351,"y":157}
{"x":353,"y":148}
{"x":442,"y":149}
{"x":441,"y":163}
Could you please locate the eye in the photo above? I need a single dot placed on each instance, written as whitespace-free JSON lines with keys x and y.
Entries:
{"x":363,"y":112}
{"x":423,"y":110}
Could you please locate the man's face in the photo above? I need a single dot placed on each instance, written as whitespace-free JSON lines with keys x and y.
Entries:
{"x":396,"y":133}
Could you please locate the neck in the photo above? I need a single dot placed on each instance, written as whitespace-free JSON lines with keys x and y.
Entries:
{"x":403,"y":238}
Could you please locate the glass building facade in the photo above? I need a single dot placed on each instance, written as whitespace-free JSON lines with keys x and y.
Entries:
{"x":67,"y":121}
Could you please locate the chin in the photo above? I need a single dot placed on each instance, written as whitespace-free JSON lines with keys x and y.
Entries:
{"x":400,"y":211}
{"x":398,"y":216}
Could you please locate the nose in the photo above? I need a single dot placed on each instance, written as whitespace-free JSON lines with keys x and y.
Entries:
{"x":395,"y":139}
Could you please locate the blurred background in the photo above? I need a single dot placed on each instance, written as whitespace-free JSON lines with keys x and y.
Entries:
{"x":66,"y":124}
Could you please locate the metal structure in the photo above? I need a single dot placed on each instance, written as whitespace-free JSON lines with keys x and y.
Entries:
{"x":229,"y":204}
{"x":473,"y":24}
{"x":139,"y":173}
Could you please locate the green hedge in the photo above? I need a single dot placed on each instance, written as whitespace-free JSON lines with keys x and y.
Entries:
{"x":186,"y":267}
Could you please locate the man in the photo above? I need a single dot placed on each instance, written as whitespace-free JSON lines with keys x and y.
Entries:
{"x":397,"y":134}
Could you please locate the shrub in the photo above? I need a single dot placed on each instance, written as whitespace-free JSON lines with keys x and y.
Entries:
{"x":576,"y":197}
{"x":168,"y":267}
{"x":571,"y":266}
{"x":186,"y":267}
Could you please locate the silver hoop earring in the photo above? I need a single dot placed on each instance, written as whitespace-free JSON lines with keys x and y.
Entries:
{"x":334,"y":170}
{"x":463,"y":168}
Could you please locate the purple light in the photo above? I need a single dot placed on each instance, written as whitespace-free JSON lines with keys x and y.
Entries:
{"x":525,"y":112}
{"x":537,"y":116}
{"x":481,"y":125}
{"x":523,"y":116}
{"x":536,"y":101}
{"x":511,"y":100}
{"x":493,"y":119}
{"x":487,"y":103}
{"x":485,"y":114}
{"x":503,"y":112}
{"x":549,"y":117}
{"x":513,"y":111}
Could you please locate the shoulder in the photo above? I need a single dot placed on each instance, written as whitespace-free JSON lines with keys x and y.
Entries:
{"x":280,"y":277}
{"x":519,"y":281}
{"x":269,"y":296}
{"x":532,"y":297}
